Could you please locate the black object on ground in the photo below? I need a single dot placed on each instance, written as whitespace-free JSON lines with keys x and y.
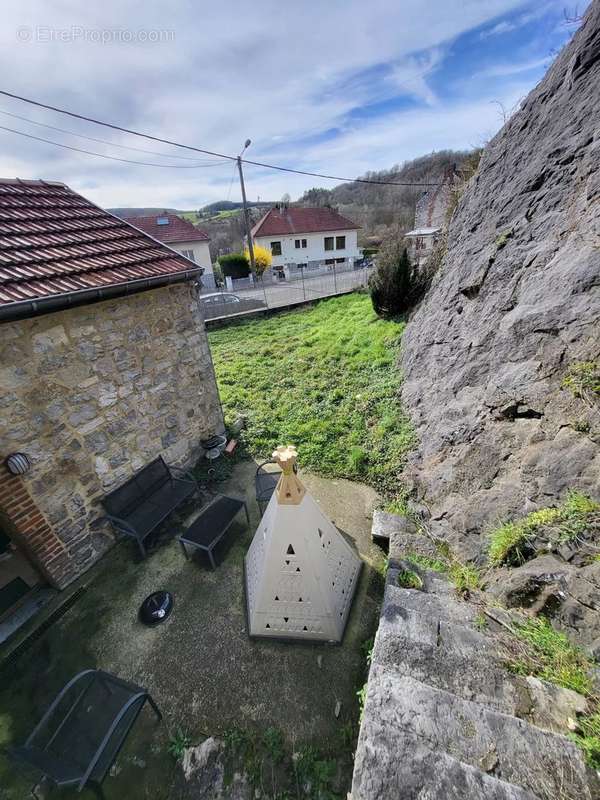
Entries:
{"x":80,"y":735}
{"x":139,"y":506}
{"x":12,"y":593}
{"x":210,"y":526}
{"x":156,"y":607}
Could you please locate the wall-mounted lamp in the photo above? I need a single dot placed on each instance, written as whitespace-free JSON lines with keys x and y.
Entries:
{"x":18,"y":463}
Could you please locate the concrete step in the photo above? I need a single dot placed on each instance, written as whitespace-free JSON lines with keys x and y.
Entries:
{"x":403,"y":715}
{"x":418,"y":636}
{"x":385,"y":773}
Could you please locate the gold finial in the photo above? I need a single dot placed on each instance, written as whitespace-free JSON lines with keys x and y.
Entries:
{"x":290,"y":490}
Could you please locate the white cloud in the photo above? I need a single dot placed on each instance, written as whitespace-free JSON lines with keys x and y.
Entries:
{"x":282,"y":74}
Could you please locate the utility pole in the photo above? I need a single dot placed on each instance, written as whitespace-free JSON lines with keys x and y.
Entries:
{"x":247,"y":220}
{"x":246,"y":213}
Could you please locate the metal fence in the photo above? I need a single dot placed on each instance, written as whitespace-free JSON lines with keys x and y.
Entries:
{"x":279,"y":289}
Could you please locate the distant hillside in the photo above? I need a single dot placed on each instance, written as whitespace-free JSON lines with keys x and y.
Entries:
{"x":379,"y":209}
{"x":124,"y":213}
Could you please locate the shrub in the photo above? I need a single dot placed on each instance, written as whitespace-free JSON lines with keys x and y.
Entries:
{"x":262,"y":258}
{"x":234,"y":265}
{"x":396,"y":285}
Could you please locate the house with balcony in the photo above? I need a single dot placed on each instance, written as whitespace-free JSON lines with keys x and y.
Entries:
{"x":313,"y":239}
{"x":182,"y":236}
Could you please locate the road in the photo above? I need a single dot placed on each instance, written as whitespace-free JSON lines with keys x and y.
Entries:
{"x":285,"y":293}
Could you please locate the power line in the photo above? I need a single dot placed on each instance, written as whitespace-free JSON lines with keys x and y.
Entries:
{"x":100,"y":141}
{"x":202,"y":150}
{"x":111,"y":158}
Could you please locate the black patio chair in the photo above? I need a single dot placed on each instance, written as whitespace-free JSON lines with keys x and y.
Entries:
{"x":265,"y":482}
{"x":80,"y":735}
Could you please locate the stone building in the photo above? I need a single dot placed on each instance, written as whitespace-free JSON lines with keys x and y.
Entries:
{"x":431,"y":217}
{"x":104,"y":365}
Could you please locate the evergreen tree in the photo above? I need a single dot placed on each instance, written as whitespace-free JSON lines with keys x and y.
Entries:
{"x":396,"y":285}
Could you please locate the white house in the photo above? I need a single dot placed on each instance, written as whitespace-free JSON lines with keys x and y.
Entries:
{"x":182,"y":236}
{"x":306,"y":237}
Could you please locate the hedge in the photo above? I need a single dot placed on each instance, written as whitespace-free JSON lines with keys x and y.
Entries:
{"x":234,"y":265}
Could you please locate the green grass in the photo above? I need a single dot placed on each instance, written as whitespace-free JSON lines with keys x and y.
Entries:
{"x":408,"y":579}
{"x":583,"y":379}
{"x":548,"y":654}
{"x":465,"y":577}
{"x":588,"y":738}
{"x":324,"y":378}
{"x":425,"y":562}
{"x":510,"y":543}
{"x":552,"y":656}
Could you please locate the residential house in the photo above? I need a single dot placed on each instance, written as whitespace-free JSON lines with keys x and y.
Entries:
{"x":307,"y":238}
{"x":104,"y":365}
{"x":431,"y":217}
{"x":182,"y":236}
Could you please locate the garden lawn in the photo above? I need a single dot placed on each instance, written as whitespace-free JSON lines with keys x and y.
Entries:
{"x":324,"y":378}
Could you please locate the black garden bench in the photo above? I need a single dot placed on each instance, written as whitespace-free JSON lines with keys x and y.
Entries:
{"x":139,"y":506}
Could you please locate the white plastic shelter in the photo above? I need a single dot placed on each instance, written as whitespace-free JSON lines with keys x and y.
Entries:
{"x":301,"y":574}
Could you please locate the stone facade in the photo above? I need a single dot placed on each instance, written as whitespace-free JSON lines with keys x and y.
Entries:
{"x":432,"y":207}
{"x":92,"y":394}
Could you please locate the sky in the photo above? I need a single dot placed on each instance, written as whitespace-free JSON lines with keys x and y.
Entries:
{"x":334,"y":86}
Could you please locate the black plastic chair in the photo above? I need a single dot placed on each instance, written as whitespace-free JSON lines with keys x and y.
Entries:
{"x":80,"y":735}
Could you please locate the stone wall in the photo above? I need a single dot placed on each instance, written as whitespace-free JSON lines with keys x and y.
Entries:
{"x":92,"y":394}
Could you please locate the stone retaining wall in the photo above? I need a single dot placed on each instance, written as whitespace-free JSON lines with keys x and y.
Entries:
{"x":92,"y":394}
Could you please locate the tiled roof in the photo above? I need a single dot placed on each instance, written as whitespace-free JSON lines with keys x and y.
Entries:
{"x":55,"y":242}
{"x":293,"y":219}
{"x":175,"y":230}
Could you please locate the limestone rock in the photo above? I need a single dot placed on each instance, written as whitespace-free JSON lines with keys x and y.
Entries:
{"x":516,"y":301}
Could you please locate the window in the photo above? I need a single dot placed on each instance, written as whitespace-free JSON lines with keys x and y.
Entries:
{"x":303,"y":242}
{"x":420,"y":243}
{"x":162,"y":220}
{"x":297,"y":244}
{"x":302,"y":266}
{"x":189,"y":254}
{"x":340,"y":260}
{"x":275,"y":248}
{"x":340,"y":242}
{"x":329,"y":243}
{"x":329,"y":260}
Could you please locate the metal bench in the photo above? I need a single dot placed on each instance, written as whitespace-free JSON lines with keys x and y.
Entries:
{"x":139,"y":506}
{"x":79,"y":737}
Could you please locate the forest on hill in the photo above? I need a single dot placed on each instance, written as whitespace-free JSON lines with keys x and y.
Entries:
{"x":381,"y":210}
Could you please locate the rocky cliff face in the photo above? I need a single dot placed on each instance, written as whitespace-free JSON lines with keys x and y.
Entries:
{"x":515,"y":304}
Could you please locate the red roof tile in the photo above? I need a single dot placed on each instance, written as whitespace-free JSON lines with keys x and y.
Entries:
{"x":175,"y":230}
{"x":294,"y":219}
{"x":54,"y":241}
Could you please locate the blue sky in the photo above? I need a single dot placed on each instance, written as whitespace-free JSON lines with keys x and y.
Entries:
{"x":340,"y":86}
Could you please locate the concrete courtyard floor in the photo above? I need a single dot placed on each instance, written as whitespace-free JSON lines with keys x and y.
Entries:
{"x":204,"y":672}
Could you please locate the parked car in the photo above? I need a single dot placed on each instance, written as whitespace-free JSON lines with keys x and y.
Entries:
{"x":219,"y":298}
{"x":221,"y":304}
